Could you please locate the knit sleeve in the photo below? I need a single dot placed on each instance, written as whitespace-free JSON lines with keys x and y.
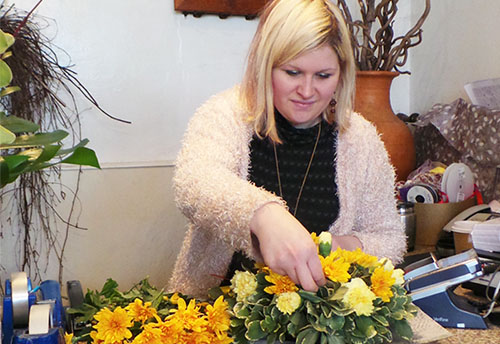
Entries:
{"x":371,"y":194}
{"x":210,"y":180}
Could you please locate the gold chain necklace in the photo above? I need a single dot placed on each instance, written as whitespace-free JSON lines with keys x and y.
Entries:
{"x":305,"y":175}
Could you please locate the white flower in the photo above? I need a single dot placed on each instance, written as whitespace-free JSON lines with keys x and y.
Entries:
{"x":359,"y":297}
{"x":244,"y":284}
{"x":288,"y":302}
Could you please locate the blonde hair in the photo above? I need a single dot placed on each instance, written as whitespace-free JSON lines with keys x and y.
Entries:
{"x":288,"y":28}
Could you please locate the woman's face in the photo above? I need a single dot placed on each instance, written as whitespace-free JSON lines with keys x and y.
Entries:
{"x":303,"y":87}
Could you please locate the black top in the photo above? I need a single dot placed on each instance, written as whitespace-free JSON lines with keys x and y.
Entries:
{"x":318,"y":205}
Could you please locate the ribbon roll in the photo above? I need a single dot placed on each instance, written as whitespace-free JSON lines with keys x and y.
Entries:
{"x":40,"y":319}
{"x":20,"y":305}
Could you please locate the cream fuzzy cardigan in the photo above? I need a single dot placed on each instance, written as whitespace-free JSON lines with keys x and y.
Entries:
{"x":213,"y":192}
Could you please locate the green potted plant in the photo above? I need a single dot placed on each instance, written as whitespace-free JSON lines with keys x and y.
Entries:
{"x":31,"y":148}
{"x":23,"y":148}
{"x":380,"y":54}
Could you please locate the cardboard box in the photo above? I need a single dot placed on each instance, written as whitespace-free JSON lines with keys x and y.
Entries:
{"x":432,"y":217}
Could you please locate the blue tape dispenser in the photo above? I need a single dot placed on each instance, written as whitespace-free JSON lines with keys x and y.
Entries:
{"x":28,"y":320}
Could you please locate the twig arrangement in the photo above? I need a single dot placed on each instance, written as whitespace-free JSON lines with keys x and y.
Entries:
{"x":374,"y":43}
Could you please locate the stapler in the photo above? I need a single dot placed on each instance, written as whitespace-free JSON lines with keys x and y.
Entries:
{"x":430,"y":283}
{"x":27,"y":319}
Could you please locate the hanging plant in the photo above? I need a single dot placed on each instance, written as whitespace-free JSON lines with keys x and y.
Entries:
{"x":30,"y":133}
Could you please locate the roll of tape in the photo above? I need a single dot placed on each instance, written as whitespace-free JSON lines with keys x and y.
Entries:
{"x":421,"y":194}
{"x":20,"y":302}
{"x":40,"y":319}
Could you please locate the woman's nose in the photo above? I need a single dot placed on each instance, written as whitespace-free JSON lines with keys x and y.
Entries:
{"x":305,"y":88}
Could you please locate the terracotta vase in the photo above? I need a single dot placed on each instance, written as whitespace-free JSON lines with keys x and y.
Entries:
{"x":373,"y":102}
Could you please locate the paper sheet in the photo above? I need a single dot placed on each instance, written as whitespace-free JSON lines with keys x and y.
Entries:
{"x":484,"y":92}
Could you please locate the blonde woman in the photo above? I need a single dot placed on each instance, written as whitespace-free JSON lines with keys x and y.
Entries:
{"x":282,"y":155}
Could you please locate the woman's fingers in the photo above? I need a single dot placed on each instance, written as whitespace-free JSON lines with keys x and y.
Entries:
{"x":305,"y":278}
{"x":317,"y":271}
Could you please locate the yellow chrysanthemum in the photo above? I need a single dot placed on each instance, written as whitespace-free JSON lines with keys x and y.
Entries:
{"x":335,"y":268}
{"x":288,"y":302}
{"x":244,"y":284}
{"x":281,"y":284}
{"x":170,"y":331}
{"x":398,"y":276}
{"x":173,"y":299}
{"x":315,"y":238}
{"x":359,"y":297}
{"x":113,"y":326}
{"x":382,"y":281}
{"x":68,"y":338}
{"x":140,"y":311}
{"x":188,"y":316}
{"x":150,"y":334}
{"x":218,"y":317}
{"x":358,"y":257}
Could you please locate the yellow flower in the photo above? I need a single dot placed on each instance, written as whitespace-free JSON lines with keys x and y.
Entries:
{"x":187,"y":317}
{"x":218,"y":317}
{"x":174,"y":298}
{"x":359,"y":297}
{"x":150,"y":334}
{"x":68,"y":338}
{"x":113,"y":326}
{"x":288,"y":302}
{"x":225,"y":289}
{"x":398,"y":276}
{"x":281,"y":284}
{"x":315,"y":238}
{"x":382,"y":281}
{"x":140,"y":312}
{"x":244,"y":284}
{"x":358,"y":257}
{"x":335,"y":268}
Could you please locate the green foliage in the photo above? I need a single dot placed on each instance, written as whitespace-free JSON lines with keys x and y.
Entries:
{"x":321,"y":318}
{"x":23,"y":148}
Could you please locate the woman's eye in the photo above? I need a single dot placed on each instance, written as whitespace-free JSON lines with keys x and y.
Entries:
{"x":324,"y":75}
{"x":292,"y":72}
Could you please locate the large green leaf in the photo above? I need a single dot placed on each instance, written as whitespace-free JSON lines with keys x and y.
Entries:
{"x":6,"y":136}
{"x":18,"y":125}
{"x":6,"y":40}
{"x":8,"y":90}
{"x":83,"y":156}
{"x":14,"y":161}
{"x":11,"y":167}
{"x":4,"y":173}
{"x":42,"y":139}
{"x":5,"y":74}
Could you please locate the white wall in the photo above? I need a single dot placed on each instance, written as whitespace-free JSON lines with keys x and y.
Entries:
{"x":144,"y":62}
{"x":461,"y":44}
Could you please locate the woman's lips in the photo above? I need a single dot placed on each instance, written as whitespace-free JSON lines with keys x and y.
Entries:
{"x":303,"y":104}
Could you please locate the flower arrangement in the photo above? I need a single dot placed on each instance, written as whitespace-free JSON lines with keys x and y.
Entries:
{"x":145,"y":315}
{"x":363,"y":301}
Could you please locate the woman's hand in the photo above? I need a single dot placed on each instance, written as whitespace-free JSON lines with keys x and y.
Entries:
{"x":287,"y":247}
{"x":346,"y":242}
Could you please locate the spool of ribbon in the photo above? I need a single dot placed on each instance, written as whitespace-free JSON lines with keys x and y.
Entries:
{"x":40,"y":319}
{"x":20,"y":299}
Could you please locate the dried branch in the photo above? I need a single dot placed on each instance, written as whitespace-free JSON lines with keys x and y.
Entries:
{"x":374,"y":45}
